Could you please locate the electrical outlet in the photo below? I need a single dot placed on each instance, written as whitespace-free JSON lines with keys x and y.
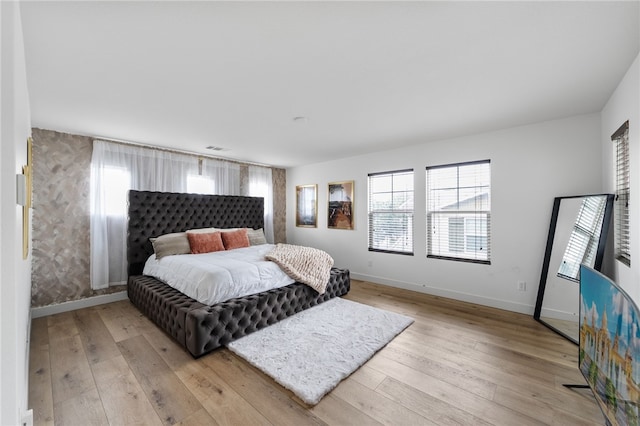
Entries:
{"x":522,"y":286}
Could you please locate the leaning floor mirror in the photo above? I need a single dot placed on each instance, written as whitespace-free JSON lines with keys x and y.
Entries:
{"x":577,"y":235}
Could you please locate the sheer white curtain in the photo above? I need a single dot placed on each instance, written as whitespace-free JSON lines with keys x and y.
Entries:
{"x":261,"y":185}
{"x":225,"y":176}
{"x":116,"y":168}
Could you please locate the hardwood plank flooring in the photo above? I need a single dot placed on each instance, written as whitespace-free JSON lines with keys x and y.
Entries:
{"x":457,"y":364}
{"x":40,"y":388}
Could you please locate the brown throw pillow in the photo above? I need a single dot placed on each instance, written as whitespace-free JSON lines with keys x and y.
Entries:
{"x":205,"y":243}
{"x":170,"y":244}
{"x":235,"y":239}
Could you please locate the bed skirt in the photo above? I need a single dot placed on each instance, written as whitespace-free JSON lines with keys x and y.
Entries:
{"x":202,"y":328}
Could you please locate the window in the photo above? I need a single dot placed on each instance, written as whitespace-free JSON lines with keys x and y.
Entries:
{"x":118,"y":167}
{"x":200,"y":184}
{"x":117,"y":184}
{"x":261,"y":185}
{"x":459,"y":211}
{"x":621,"y":203}
{"x":391,"y":212}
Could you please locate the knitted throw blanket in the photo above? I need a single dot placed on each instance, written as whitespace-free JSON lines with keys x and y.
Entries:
{"x":307,"y":265}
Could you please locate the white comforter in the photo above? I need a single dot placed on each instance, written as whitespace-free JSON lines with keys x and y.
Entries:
{"x":212,"y":278}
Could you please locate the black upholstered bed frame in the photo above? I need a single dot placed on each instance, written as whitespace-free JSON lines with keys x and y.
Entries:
{"x":202,"y":328}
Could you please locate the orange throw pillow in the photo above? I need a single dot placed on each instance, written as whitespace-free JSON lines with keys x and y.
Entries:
{"x":205,"y":243}
{"x":235,"y":239}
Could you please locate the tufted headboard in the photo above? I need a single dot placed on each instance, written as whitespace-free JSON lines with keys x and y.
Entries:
{"x":156,"y":213}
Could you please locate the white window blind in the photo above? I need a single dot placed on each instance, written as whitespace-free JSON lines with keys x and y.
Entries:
{"x":459,"y":211}
{"x":391,"y":212}
{"x":623,"y":189}
{"x":584,"y":239}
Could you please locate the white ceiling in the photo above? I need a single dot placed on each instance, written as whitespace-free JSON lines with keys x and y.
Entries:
{"x":368,"y":76}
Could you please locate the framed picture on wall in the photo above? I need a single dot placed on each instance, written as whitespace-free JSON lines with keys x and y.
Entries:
{"x":340,"y":214}
{"x":307,"y":206}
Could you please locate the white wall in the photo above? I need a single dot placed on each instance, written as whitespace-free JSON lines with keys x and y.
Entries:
{"x":624,"y":105}
{"x":530,"y":166}
{"x":15,"y":273}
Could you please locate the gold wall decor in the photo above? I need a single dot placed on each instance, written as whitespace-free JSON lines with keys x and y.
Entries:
{"x":26,"y":171}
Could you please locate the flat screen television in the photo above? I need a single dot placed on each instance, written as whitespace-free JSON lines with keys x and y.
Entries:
{"x":609,"y":345}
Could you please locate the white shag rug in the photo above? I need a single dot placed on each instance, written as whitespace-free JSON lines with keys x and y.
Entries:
{"x":310,"y":352}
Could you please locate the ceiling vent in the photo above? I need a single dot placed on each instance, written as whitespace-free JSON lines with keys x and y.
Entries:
{"x":217,"y":148}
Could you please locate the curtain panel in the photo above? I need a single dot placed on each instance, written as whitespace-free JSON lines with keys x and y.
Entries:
{"x":261,"y":185}
{"x":116,"y":168}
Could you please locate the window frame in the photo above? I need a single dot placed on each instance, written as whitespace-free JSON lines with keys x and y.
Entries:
{"x":622,"y":182}
{"x":431,"y":214}
{"x":404,"y":213}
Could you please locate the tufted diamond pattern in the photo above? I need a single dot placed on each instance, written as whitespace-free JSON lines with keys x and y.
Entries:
{"x":225,"y":322}
{"x":166,"y":306}
{"x":201,"y":328}
{"x":152,"y":214}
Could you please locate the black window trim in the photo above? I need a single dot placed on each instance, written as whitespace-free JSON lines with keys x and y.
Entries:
{"x":376,"y":250}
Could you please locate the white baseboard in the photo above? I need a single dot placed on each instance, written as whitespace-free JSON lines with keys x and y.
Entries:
{"x":77,"y":304}
{"x":559,"y":315}
{"x":464,"y":297}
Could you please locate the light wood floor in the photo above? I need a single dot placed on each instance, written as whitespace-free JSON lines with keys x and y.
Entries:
{"x":457,"y":364}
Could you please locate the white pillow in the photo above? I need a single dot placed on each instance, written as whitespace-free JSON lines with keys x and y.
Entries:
{"x":208,"y":230}
{"x":256,"y":236}
{"x":171,"y":244}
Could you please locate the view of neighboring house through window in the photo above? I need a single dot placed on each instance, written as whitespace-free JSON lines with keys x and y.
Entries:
{"x":459,"y":211}
{"x":621,"y":203}
{"x":391,"y":212}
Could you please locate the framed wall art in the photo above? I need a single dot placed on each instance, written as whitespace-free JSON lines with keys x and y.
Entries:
{"x":340,"y":214}
{"x":307,"y":206}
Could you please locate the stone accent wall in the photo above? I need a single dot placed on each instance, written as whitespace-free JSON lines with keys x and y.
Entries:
{"x":60,"y":224}
{"x":279,"y":177}
{"x":60,"y":230}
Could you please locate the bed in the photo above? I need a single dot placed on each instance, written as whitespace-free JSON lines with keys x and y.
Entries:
{"x":198,"y":327}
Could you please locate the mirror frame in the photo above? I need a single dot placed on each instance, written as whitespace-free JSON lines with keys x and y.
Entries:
{"x":547,"y":254}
